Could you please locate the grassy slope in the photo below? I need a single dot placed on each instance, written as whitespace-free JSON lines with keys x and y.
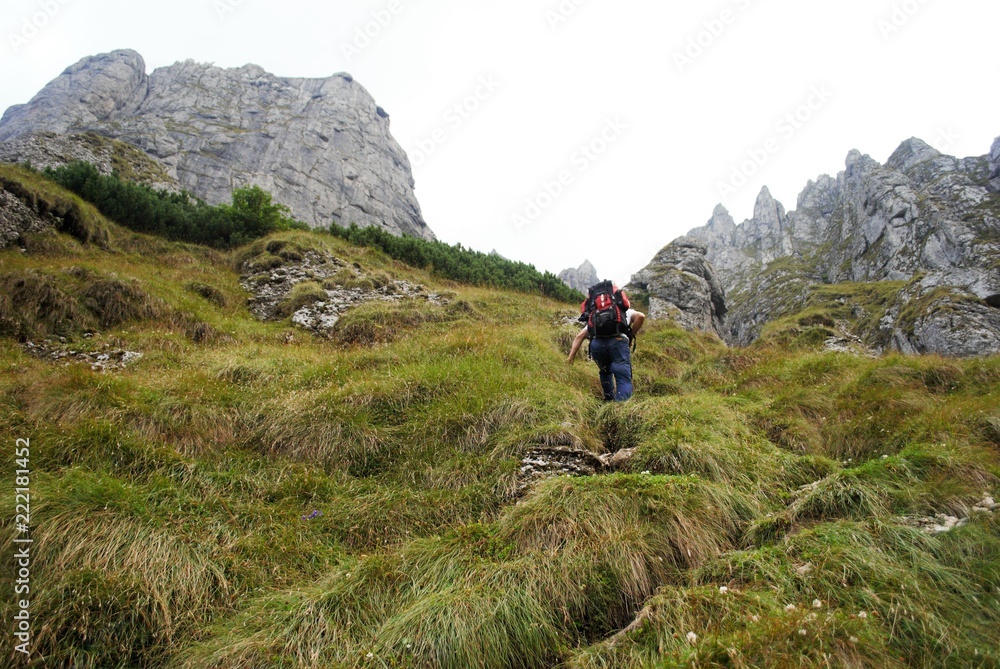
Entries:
{"x":168,"y":497}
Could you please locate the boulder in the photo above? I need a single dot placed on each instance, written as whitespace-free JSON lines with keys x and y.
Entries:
{"x":682,"y":286}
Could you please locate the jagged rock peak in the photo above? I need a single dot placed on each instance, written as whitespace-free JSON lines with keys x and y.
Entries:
{"x":855,"y":158}
{"x":910,"y":153}
{"x":581,"y":278}
{"x":682,"y":286}
{"x":768,"y":212}
{"x":321,"y":146}
{"x":722,"y":221}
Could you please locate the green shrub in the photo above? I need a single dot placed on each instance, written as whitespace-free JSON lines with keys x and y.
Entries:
{"x":459,"y":264}
{"x":177,"y":216}
{"x":302,"y":294}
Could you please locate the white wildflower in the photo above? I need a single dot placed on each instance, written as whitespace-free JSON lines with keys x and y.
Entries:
{"x":755,"y":618}
{"x":790,"y":608}
{"x":817,"y":604}
{"x":802,"y":632}
{"x":854,"y":639}
{"x":692,"y":637}
{"x":723,"y":590}
{"x":863,"y":615}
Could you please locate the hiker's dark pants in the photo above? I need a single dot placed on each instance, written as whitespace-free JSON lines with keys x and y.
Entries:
{"x":612,"y":358}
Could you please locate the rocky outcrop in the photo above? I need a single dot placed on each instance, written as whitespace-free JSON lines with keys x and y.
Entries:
{"x":581,"y":278}
{"x":322,"y":147}
{"x":17,"y":219}
{"x":560,"y":454}
{"x":681,"y":285}
{"x":99,"y":359}
{"x":334,"y":288}
{"x":48,"y":149}
{"x":924,"y":219}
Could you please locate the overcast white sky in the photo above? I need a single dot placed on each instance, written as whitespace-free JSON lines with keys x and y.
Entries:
{"x":667,"y":120}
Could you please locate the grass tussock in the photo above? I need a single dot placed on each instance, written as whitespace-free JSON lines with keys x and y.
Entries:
{"x":382,"y":323}
{"x":302,"y":294}
{"x":34,"y":305}
{"x":114,"y":580}
{"x":920,"y":480}
{"x":501,"y":595}
{"x":115,"y":302}
{"x":843,"y":594}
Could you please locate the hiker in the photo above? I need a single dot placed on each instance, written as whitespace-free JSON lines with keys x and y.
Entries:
{"x":612,"y":325}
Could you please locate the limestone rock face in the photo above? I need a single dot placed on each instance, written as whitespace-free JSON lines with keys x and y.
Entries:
{"x":682,"y":285}
{"x":924,"y":219}
{"x":581,"y":278}
{"x":322,"y":147}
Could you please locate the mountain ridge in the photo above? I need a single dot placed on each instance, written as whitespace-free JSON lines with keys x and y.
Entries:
{"x":924,"y":218}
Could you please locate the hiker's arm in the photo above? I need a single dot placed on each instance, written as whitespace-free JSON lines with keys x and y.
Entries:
{"x":637,"y":320}
{"x":577,"y":343}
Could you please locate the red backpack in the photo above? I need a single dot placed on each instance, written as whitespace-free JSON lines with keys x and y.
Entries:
{"x":605,"y":311}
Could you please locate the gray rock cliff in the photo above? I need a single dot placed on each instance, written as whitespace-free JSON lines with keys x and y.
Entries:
{"x":322,"y":147}
{"x":682,"y":286}
{"x":581,"y":278}
{"x":928,"y":221}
